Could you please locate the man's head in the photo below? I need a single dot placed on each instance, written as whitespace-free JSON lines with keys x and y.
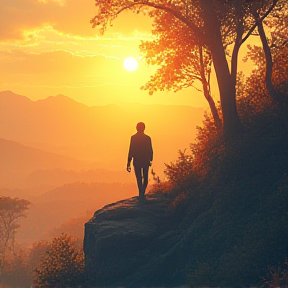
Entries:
{"x":140,"y":127}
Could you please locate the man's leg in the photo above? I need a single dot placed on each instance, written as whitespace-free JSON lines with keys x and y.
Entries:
{"x":145,"y":179}
{"x":138,"y":174}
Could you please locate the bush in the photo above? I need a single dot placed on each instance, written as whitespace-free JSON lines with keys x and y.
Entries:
{"x":277,"y":277}
{"x":62,"y":266}
{"x":231,"y":194}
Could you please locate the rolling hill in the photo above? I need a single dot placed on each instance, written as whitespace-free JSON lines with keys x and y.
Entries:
{"x":98,"y":134}
{"x":18,"y":161}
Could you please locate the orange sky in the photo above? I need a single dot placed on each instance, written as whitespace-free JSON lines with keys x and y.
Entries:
{"x":47,"y":47}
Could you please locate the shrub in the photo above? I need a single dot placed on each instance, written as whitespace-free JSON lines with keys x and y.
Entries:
{"x":277,"y":277}
{"x":62,"y":266}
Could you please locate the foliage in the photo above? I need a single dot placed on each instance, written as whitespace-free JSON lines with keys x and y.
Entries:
{"x":194,"y":166}
{"x":16,"y":272}
{"x":277,"y":277}
{"x":179,"y":171}
{"x":11,"y":209}
{"x":62,"y":266}
{"x":280,"y":73}
{"x":183,"y":62}
{"x":19,"y":270}
{"x":186,"y":30}
{"x":195,"y":16}
{"x":231,"y":195}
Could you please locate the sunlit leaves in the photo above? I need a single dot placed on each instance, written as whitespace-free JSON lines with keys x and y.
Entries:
{"x":178,"y":171}
{"x":175,"y":51}
{"x":184,"y":29}
{"x":62,"y":266}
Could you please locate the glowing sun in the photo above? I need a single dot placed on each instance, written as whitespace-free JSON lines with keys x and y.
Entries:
{"x":130,"y":64}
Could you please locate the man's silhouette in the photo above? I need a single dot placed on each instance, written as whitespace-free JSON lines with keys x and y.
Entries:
{"x":142,"y":153}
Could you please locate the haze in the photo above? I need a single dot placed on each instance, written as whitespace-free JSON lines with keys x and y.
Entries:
{"x":59,"y":153}
{"x":72,"y":143}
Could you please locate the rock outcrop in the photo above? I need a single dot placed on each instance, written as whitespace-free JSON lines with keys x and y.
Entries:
{"x":124,"y":242}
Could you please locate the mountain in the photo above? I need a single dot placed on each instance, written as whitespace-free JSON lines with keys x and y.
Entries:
{"x":29,"y":158}
{"x":98,"y":134}
{"x":18,"y":161}
{"x":54,"y":120}
{"x":23,"y":166}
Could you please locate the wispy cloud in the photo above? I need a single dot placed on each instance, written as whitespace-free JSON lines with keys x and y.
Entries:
{"x":69,"y":17}
{"x":49,"y":46}
{"x":47,"y":39}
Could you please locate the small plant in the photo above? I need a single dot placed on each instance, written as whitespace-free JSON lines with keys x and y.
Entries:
{"x":179,"y":171}
{"x":277,"y":277}
{"x":156,"y":178}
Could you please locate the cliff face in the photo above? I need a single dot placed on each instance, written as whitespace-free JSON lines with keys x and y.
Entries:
{"x":229,"y":240}
{"x":123,"y":242}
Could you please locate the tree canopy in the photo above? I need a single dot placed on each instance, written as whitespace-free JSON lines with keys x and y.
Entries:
{"x":182,"y":60}
{"x":214,"y":25}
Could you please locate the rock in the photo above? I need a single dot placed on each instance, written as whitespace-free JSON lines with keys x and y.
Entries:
{"x":123,"y":238}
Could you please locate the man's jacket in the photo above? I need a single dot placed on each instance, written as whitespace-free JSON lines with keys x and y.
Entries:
{"x":140,"y":150}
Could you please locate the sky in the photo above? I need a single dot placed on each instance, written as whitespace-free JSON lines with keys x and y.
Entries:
{"x":48,"y":47}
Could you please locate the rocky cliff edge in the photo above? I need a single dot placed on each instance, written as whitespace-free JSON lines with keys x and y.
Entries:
{"x":125,"y":242}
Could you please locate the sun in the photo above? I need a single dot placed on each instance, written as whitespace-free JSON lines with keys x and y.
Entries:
{"x":130,"y":64}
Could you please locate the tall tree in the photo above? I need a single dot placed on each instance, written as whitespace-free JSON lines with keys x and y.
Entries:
{"x":208,"y":21}
{"x":11,"y":209}
{"x":256,"y":10}
{"x":183,"y":62}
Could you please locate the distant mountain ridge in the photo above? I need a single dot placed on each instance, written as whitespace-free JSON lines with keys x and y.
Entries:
{"x":32,"y":158}
{"x":33,"y":167}
{"x":98,"y":134}
{"x":18,"y":161}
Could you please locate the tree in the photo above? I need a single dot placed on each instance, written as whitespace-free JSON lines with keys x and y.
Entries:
{"x":11,"y":209}
{"x":15,"y":273}
{"x":20,"y":270}
{"x":256,"y":10}
{"x":271,"y":59}
{"x":210,"y":22}
{"x":62,"y":266}
{"x":182,"y":60}
{"x":278,"y":23}
{"x":201,"y":19}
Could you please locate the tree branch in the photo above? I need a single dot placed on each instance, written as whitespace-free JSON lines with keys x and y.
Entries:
{"x":258,"y":21}
{"x":172,"y":11}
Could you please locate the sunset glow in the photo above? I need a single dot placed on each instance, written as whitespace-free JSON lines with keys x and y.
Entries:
{"x":132,"y":144}
{"x":47,"y":52}
{"x":130,"y":64}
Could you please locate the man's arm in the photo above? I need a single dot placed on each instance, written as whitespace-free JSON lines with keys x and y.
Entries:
{"x":130,"y":155}
{"x":151,"y":151}
{"x":128,"y":168}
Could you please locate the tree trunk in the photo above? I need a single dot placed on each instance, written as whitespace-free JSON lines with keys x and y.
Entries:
{"x":227,"y":90}
{"x":213,"y":109}
{"x":268,"y":58}
{"x":238,"y":42}
{"x":207,"y":94}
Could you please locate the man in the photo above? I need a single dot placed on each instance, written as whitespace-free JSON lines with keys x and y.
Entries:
{"x":142,"y":153}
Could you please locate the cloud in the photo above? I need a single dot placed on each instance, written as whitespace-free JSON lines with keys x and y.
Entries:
{"x":66,"y":16}
{"x":55,"y":63}
{"x":71,"y":16}
{"x":48,"y":47}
